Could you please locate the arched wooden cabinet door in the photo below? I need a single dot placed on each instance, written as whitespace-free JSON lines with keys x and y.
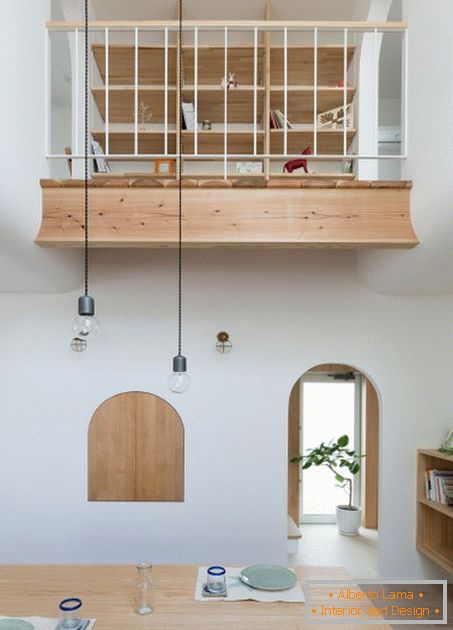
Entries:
{"x":135,"y":450}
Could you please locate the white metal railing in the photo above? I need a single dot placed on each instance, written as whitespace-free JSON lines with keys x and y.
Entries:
{"x":345,"y":30}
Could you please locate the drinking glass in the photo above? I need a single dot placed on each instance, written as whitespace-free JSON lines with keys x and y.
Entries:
{"x":69,"y":614}
{"x":143,"y":589}
{"x":216,"y":580}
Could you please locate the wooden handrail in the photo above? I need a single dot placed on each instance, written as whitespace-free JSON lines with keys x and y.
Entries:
{"x":233,"y":24}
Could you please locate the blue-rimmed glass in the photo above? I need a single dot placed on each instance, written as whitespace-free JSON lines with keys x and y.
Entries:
{"x":216,"y":580}
{"x":70,"y":614}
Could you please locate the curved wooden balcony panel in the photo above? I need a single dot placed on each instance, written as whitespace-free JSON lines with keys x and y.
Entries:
{"x":284,"y":212}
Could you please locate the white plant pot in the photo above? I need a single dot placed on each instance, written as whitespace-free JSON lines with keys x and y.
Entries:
{"x":348,"y":520}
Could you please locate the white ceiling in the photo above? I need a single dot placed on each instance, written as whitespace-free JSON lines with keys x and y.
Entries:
{"x":219,"y":9}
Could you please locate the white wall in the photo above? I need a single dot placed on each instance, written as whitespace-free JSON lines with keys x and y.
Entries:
{"x":23,"y":265}
{"x":428,"y":268}
{"x":286,"y":311}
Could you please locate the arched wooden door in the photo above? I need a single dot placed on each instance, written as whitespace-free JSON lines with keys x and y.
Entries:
{"x":135,"y":450}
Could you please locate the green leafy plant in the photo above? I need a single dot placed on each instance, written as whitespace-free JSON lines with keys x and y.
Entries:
{"x":337,"y":457}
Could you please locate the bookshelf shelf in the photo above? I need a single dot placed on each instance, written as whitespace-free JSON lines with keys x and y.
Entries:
{"x":247,"y":104}
{"x":434,"y":519}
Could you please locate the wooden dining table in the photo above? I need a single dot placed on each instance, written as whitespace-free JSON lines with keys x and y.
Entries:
{"x":107,"y":592}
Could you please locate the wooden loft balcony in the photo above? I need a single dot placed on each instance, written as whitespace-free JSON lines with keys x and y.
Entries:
{"x":282,"y":212}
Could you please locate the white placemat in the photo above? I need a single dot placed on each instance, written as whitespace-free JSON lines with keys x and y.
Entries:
{"x":45,"y":623}
{"x":238,"y":591}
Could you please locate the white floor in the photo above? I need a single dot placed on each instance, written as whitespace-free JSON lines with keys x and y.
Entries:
{"x":322,"y":545}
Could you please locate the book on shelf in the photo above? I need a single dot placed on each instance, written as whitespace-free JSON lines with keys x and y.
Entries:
{"x":278,"y":120}
{"x":188,"y":115}
{"x":439,"y":486}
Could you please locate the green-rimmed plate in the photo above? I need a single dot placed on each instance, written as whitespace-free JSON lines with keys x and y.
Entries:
{"x":15,"y":624}
{"x":268,"y":577}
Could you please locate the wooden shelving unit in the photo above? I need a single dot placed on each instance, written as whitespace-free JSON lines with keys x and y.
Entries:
{"x":434,"y":520}
{"x":269,"y":95}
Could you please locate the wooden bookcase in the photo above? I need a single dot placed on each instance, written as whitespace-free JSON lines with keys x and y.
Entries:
{"x":270,"y":95}
{"x":434,"y":520}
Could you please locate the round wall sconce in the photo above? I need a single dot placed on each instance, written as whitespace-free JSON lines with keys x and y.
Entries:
{"x":223,"y":344}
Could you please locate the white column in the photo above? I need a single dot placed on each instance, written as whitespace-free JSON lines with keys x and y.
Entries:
{"x":367,"y":118}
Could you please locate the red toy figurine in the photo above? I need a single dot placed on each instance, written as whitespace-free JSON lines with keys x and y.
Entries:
{"x":292,"y":165}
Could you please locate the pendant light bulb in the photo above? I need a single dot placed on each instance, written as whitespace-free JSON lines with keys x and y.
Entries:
{"x":86,"y":325}
{"x":179,"y":380}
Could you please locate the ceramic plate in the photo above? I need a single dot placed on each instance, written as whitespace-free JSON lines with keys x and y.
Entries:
{"x":268,"y":577}
{"x":15,"y":624}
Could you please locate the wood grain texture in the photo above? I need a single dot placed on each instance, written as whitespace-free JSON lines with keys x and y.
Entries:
{"x":108,"y":595}
{"x":349,"y":217}
{"x":111,"y":451}
{"x":434,"y":520}
{"x":371,"y":467}
{"x":135,"y":450}
{"x":270,"y":24}
{"x":160,"y":450}
{"x":294,"y":449}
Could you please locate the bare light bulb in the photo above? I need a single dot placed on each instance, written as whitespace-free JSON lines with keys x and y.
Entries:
{"x":86,"y":326}
{"x":179,"y":380}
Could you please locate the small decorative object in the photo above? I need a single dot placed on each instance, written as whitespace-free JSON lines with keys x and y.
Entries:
{"x":336,"y":456}
{"x":232,"y":82}
{"x":334,"y":118}
{"x":223,"y":345}
{"x":216,"y":581}
{"x":164,"y":166}
{"x":447,"y":446}
{"x":293,"y":165}
{"x":206,"y":125}
{"x":78,"y":344}
{"x":144,"y":114}
{"x":249,"y":168}
{"x":70,"y":614}
{"x":342,"y":84}
{"x":143,"y":589}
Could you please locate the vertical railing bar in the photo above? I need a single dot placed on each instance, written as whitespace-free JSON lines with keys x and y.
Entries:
{"x":406,"y":90}
{"x":345,"y":91}
{"x":76,"y":81}
{"x":195,"y":87}
{"x":107,"y":94}
{"x":255,"y":84}
{"x":376,"y":99}
{"x":47,"y":100}
{"x":166,"y":91}
{"x":315,"y":91}
{"x":225,"y":107}
{"x":136,"y":94}
{"x":285,"y":91}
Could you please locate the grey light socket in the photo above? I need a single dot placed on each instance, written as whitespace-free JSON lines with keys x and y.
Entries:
{"x":86,"y":305}
{"x":179,"y":363}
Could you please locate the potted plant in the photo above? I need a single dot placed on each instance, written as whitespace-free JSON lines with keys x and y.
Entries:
{"x":337,"y":457}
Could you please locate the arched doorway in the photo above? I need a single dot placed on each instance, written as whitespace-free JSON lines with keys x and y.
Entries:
{"x":363,"y":430}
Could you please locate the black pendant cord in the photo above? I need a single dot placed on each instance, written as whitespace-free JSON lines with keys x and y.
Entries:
{"x":86,"y":150}
{"x":180,"y":186}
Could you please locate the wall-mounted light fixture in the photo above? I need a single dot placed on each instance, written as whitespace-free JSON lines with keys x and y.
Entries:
{"x":223,"y":344}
